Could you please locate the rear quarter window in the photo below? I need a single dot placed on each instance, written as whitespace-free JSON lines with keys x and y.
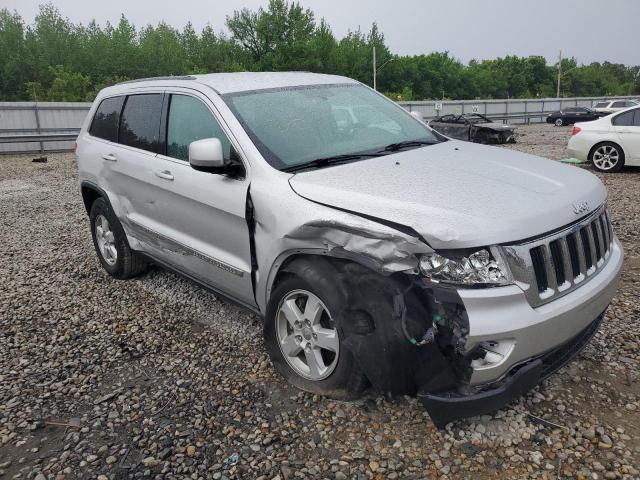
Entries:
{"x":624,"y":119}
{"x":105,"y":121}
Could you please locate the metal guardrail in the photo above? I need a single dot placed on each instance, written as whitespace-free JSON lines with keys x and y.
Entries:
{"x":40,"y":127}
{"x":64,"y":137}
{"x":23,"y":124}
{"x":516,"y":110}
{"x":526,"y":116}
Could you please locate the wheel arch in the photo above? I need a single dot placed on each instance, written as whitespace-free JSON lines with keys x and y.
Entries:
{"x":90,"y":193}
{"x":281,"y":266}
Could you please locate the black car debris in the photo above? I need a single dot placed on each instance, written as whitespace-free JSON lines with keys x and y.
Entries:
{"x":571,"y":115}
{"x":473,"y":127}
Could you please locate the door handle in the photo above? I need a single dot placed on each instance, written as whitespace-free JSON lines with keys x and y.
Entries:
{"x":164,"y":174}
{"x":109,"y":157}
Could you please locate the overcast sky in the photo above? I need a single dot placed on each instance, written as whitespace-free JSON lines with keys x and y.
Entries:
{"x":590,"y":30}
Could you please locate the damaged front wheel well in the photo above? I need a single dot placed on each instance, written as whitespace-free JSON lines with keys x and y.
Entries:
{"x":404,"y":335}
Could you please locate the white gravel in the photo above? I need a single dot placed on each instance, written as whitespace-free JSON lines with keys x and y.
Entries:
{"x":156,"y":378}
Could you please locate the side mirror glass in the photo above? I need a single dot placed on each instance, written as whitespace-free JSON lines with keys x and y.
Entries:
{"x":207,"y":154}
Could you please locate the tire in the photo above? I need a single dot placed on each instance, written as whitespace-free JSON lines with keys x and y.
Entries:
{"x":607,"y":157}
{"x":111,"y":243}
{"x":559,"y":122}
{"x":342,"y":379}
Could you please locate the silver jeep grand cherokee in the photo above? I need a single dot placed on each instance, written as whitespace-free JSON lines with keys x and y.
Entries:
{"x":378,"y":252}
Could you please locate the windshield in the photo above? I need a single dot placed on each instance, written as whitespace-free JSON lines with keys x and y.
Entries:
{"x":294,"y":126}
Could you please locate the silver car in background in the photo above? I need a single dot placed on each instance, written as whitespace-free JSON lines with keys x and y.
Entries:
{"x":378,"y":252}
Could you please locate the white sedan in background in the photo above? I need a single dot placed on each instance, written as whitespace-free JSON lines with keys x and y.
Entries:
{"x":612,"y":106}
{"x":609,"y":142}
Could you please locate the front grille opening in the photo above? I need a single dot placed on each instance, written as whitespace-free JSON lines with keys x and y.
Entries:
{"x":558,"y":261}
{"x":596,"y":237}
{"x":609,"y":226}
{"x":586,"y":248}
{"x":537,"y":259}
{"x":572,"y":243}
{"x":605,"y":232}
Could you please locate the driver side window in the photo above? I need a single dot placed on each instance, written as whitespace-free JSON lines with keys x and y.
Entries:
{"x":190,"y":120}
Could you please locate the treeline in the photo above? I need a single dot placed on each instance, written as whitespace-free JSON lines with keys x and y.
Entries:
{"x":55,"y":59}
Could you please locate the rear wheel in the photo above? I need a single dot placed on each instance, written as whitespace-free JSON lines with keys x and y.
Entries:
{"x":559,"y":122}
{"x":607,"y":157}
{"x":111,"y":243}
{"x":303,"y":336}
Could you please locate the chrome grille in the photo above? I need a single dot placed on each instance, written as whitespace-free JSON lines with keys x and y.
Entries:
{"x":554,"y":265}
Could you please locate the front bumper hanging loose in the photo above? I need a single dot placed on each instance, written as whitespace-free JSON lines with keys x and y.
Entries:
{"x":446,"y":407}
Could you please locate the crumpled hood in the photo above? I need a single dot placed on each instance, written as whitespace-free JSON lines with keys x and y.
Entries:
{"x":458,"y":194}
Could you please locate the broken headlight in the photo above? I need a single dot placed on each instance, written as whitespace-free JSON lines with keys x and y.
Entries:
{"x":479,"y":267}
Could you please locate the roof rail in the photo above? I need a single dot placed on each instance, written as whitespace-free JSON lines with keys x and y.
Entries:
{"x":170,"y":77}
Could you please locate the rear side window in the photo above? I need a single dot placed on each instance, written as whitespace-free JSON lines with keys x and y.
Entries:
{"x":618,"y":104}
{"x":625,"y":119}
{"x":140,"y":125}
{"x":191,"y":120}
{"x":105,"y":121}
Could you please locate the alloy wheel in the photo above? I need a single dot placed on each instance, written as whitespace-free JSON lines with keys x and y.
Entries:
{"x":106,"y":240}
{"x":307,"y":335}
{"x":606,"y":157}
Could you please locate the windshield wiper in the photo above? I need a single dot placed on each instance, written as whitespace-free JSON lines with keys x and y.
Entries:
{"x":323,"y":162}
{"x":392,"y":147}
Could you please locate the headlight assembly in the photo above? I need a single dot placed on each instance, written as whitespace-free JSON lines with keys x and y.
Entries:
{"x":480,"y":267}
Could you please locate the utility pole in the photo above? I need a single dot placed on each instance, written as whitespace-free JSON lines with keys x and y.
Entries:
{"x":375,"y":83}
{"x":559,"y":73}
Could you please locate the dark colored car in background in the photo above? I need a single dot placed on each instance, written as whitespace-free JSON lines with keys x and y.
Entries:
{"x":473,"y":127}
{"x":571,"y":115}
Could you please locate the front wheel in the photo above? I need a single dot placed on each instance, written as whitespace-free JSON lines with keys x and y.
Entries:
{"x":303,"y":337}
{"x":607,"y":157}
{"x":111,"y":243}
{"x":559,"y":122}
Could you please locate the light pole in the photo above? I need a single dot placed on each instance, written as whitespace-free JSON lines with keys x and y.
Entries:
{"x":559,"y":73}
{"x":375,"y":83}
{"x":375,"y":69}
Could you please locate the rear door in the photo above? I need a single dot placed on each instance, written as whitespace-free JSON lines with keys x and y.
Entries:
{"x":627,"y":127}
{"x":197,"y":220}
{"x":131,"y":160}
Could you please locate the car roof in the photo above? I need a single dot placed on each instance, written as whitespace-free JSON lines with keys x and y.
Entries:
{"x":235,"y":82}
{"x":247,"y":81}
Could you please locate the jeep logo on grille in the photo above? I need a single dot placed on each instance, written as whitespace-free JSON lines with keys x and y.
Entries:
{"x":580,"y":207}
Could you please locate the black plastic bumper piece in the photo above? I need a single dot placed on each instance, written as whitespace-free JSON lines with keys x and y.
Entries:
{"x":446,"y":407}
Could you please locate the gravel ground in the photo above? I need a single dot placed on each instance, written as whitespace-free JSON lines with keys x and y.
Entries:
{"x":156,"y":378}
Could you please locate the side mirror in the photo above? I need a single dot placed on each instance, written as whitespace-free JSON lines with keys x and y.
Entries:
{"x":207,"y":155}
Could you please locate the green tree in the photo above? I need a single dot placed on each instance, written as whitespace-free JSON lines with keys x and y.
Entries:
{"x":68,"y":86}
{"x":278,"y":37}
{"x":14,"y":71}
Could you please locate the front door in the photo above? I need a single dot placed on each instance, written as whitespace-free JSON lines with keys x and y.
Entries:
{"x":197,"y":220}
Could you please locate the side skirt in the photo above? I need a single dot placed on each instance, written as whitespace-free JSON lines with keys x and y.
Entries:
{"x":225,"y":296}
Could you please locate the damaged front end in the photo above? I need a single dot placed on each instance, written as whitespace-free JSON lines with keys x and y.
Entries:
{"x":404,"y":321}
{"x":452,"y":327}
